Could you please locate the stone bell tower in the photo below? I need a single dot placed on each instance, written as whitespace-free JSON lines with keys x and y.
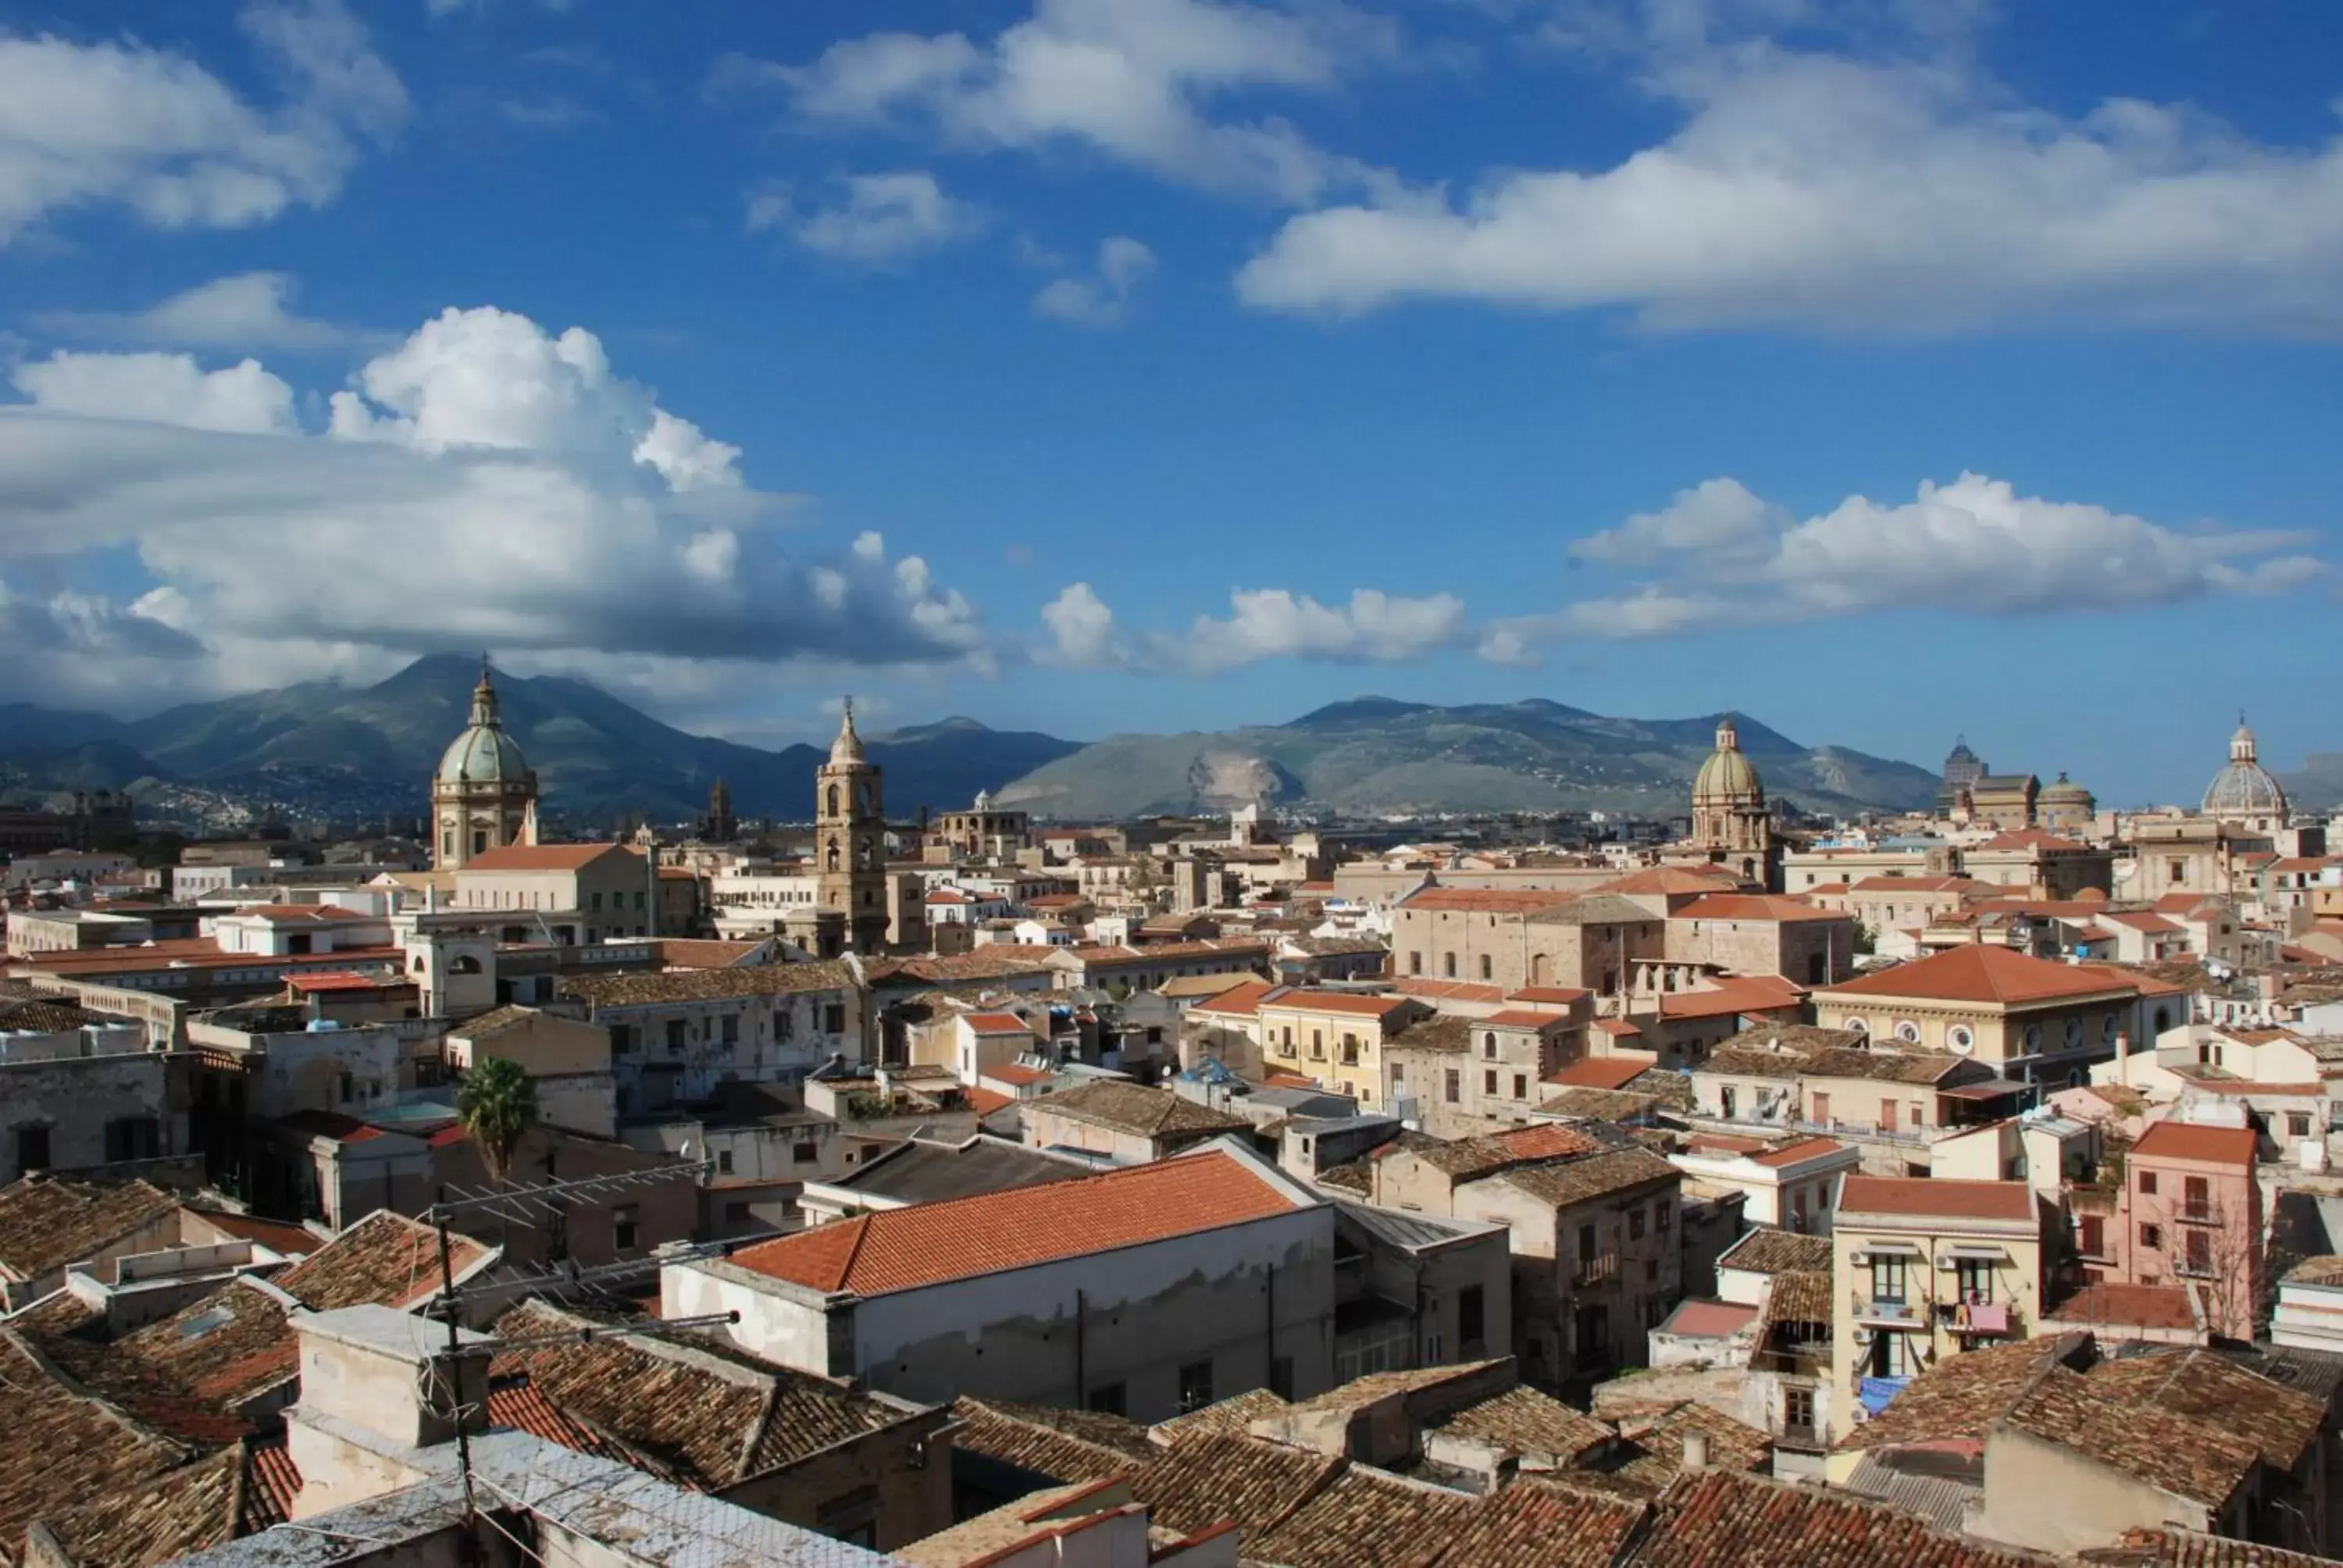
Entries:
{"x":849,"y":841}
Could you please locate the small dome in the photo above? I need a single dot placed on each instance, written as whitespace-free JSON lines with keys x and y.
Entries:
{"x":2064,"y":790}
{"x":484,"y":753}
{"x":1728,"y":775}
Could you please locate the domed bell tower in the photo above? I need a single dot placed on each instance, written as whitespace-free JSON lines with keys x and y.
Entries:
{"x":850,"y":844}
{"x":484,"y":796}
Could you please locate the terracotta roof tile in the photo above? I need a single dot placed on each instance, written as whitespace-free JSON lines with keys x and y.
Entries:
{"x":930,"y":1243}
{"x":2187,"y":1140}
{"x":2166,"y":1449}
{"x":1983,"y":973}
{"x":1595,"y":1176}
{"x":1134,"y":1108}
{"x":1958,"y":1399}
{"x":48,"y":1222}
{"x":544,"y":857}
{"x":2278,"y":1423}
{"x":1601,"y":1072}
{"x":1531,"y":1525}
{"x":2113,"y":1304}
{"x":1346,"y":1002}
{"x":1936,"y":1198}
{"x":2174,"y":1548}
{"x":650,"y":988}
{"x":1241,"y":1000}
{"x":385,"y":1259}
{"x":1754,"y":907}
{"x":271,"y":1481}
{"x":1526,"y":1423}
{"x":1487,"y":901}
{"x":1208,"y":1476}
{"x":181,"y":1511}
{"x":1733,"y":1445}
{"x":1365,"y":1516}
{"x":1011,"y":1435}
{"x":59,"y":1446}
{"x":1231,"y":1416}
{"x":1767,"y":1250}
{"x":1719,"y":1520}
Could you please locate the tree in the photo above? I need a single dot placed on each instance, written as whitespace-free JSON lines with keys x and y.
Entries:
{"x":497,"y":1104}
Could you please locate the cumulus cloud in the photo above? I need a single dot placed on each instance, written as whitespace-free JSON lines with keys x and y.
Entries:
{"x":1375,"y":627}
{"x":1098,"y":298}
{"x":487,"y":483}
{"x":121,"y":124}
{"x":878,"y":220}
{"x":245,"y":311}
{"x":1719,"y":554}
{"x":1133,"y":80}
{"x":1902,"y":194}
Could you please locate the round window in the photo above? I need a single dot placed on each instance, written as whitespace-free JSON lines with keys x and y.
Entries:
{"x":1858,"y":1026}
{"x":1961,"y":1038}
{"x":2107,"y":1030}
{"x":1908,"y":1032}
{"x":2033,"y":1037}
{"x":2074,"y":1032}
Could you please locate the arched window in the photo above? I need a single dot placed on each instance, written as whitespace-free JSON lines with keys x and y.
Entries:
{"x":464,"y":964}
{"x":833,"y":800}
{"x":1489,"y":1046}
{"x":833,"y":861}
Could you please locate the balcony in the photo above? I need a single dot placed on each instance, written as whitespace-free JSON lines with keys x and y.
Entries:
{"x":1886,"y":1311}
{"x":2196,"y":1214}
{"x":1599,"y":1271}
{"x":1979,"y":1320}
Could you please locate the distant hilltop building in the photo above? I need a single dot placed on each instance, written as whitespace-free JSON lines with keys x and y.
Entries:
{"x":484,"y":796}
{"x":1970,"y":792}
{"x":1731,"y":825}
{"x":1963,"y":769}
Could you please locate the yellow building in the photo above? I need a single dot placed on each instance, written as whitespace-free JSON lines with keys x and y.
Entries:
{"x":2029,"y":1018}
{"x":1334,"y":1037}
{"x":1925,"y":1269}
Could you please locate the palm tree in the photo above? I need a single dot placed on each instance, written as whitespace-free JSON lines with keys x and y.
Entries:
{"x":497,"y":1104}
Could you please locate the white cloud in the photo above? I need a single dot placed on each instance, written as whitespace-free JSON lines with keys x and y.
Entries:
{"x":124,"y":124}
{"x":879,"y":220}
{"x":485,"y":484}
{"x":1899,"y":195}
{"x":1974,"y":546}
{"x":1099,"y":299}
{"x":1262,"y":624}
{"x":245,"y":311}
{"x":159,"y":388}
{"x":1133,"y":79}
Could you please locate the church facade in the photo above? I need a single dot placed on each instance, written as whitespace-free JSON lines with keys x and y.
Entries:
{"x":483,"y":794}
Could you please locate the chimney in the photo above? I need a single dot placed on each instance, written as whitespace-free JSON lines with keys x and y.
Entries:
{"x":1695,"y":1452}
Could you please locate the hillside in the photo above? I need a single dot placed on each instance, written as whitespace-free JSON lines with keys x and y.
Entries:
{"x":1381,"y":756}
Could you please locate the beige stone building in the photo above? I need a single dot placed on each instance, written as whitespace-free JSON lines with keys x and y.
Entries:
{"x":571,"y":893}
{"x":1763,"y":934}
{"x":1517,"y":937}
{"x":1731,"y":826}
{"x":2038,"y":864}
{"x":1334,"y":1037}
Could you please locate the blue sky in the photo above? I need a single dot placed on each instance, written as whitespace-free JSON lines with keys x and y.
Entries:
{"x":1883,"y":371}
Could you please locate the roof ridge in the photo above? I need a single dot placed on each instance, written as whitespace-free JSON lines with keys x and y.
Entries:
{"x":861,"y":1223}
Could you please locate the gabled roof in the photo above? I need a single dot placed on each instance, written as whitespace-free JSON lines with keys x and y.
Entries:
{"x":650,"y":988}
{"x":60,"y":1447}
{"x":1134,"y":1108}
{"x":1670,"y":879}
{"x":1241,"y":1001}
{"x":1600,"y":1072}
{"x":1754,"y":907}
{"x":934,"y":1243}
{"x":1982,"y":973}
{"x":1487,"y":901}
{"x":996,"y":1023}
{"x":48,"y":1222}
{"x":1207,"y":1476}
{"x":1300,"y":999}
{"x":1597,"y":1175}
{"x":1767,"y":1250}
{"x":1363,"y":1516}
{"x":2162,"y":1447}
{"x":1959,"y":1398}
{"x":1718,"y":1519}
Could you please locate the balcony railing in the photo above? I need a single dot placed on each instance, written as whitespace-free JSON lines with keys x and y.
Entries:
{"x":1885,"y":1309}
{"x":1597,"y":1270}
{"x":2197,"y":1215}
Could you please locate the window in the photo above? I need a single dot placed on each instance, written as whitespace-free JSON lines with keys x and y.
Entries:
{"x":1888,"y":1280}
{"x":785,"y":1024}
{"x":594,"y":902}
{"x":2094,"y":1238}
{"x":2199,"y":1253}
{"x":1664,"y":1216}
{"x":1317,"y":1045}
{"x":1195,"y":1386}
{"x":1961,"y":1038}
{"x":1489,"y":1046}
{"x":622,"y":1038}
{"x":1452,"y":1087}
{"x":32,"y":1148}
{"x":623,"y":1222}
{"x":1635,"y":1223}
{"x":675,"y":1035}
{"x":2151,"y":1238}
{"x":1521,"y":1086}
{"x":2195,"y":1197}
{"x":1908,"y":1032}
{"x":1281,"y":1376}
{"x":1472,"y":1319}
{"x":731,"y":1028}
{"x":804,"y":1151}
{"x":724,"y":1163}
{"x":344,"y":1079}
{"x":2148,"y":1183}
{"x":1414,"y":962}
{"x":1973,"y":1277}
{"x":2298,"y":1124}
{"x":2175,"y":871}
{"x":1489,"y":1083}
{"x":833,"y":1019}
{"x":1587,"y":1244}
{"x":1798,"y":1411}
{"x":1108,"y":1399}
{"x":1484,"y":966}
{"x":1448,"y":965}
{"x":1728,"y":1100}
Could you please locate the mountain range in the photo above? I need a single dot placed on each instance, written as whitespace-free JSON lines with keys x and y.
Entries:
{"x":323,"y":749}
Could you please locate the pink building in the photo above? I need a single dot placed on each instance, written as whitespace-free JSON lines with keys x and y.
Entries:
{"x":2190,"y":1213}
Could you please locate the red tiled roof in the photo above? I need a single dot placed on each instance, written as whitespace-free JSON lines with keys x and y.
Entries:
{"x":1928,"y":1197}
{"x":286,"y":914}
{"x":985,"y":1101}
{"x":1618,"y":1026}
{"x":1754,"y":907}
{"x":1558,"y":995}
{"x":1804,"y":1149}
{"x":1301,"y":1000}
{"x":337,"y":979}
{"x":542,"y":857}
{"x":2186,"y":1141}
{"x":997,"y":1023}
{"x":933,"y":1243}
{"x":2117,"y":1305}
{"x":1016,"y":1072}
{"x":1520,"y":1018}
{"x":329,"y":1124}
{"x":1670,"y":879}
{"x":1600,"y":1071}
{"x":1239,"y":1001}
{"x":1978,"y":972}
{"x":1732,"y":994}
{"x":1710,"y":1320}
{"x":1448,"y":991}
{"x":1487,"y":900}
